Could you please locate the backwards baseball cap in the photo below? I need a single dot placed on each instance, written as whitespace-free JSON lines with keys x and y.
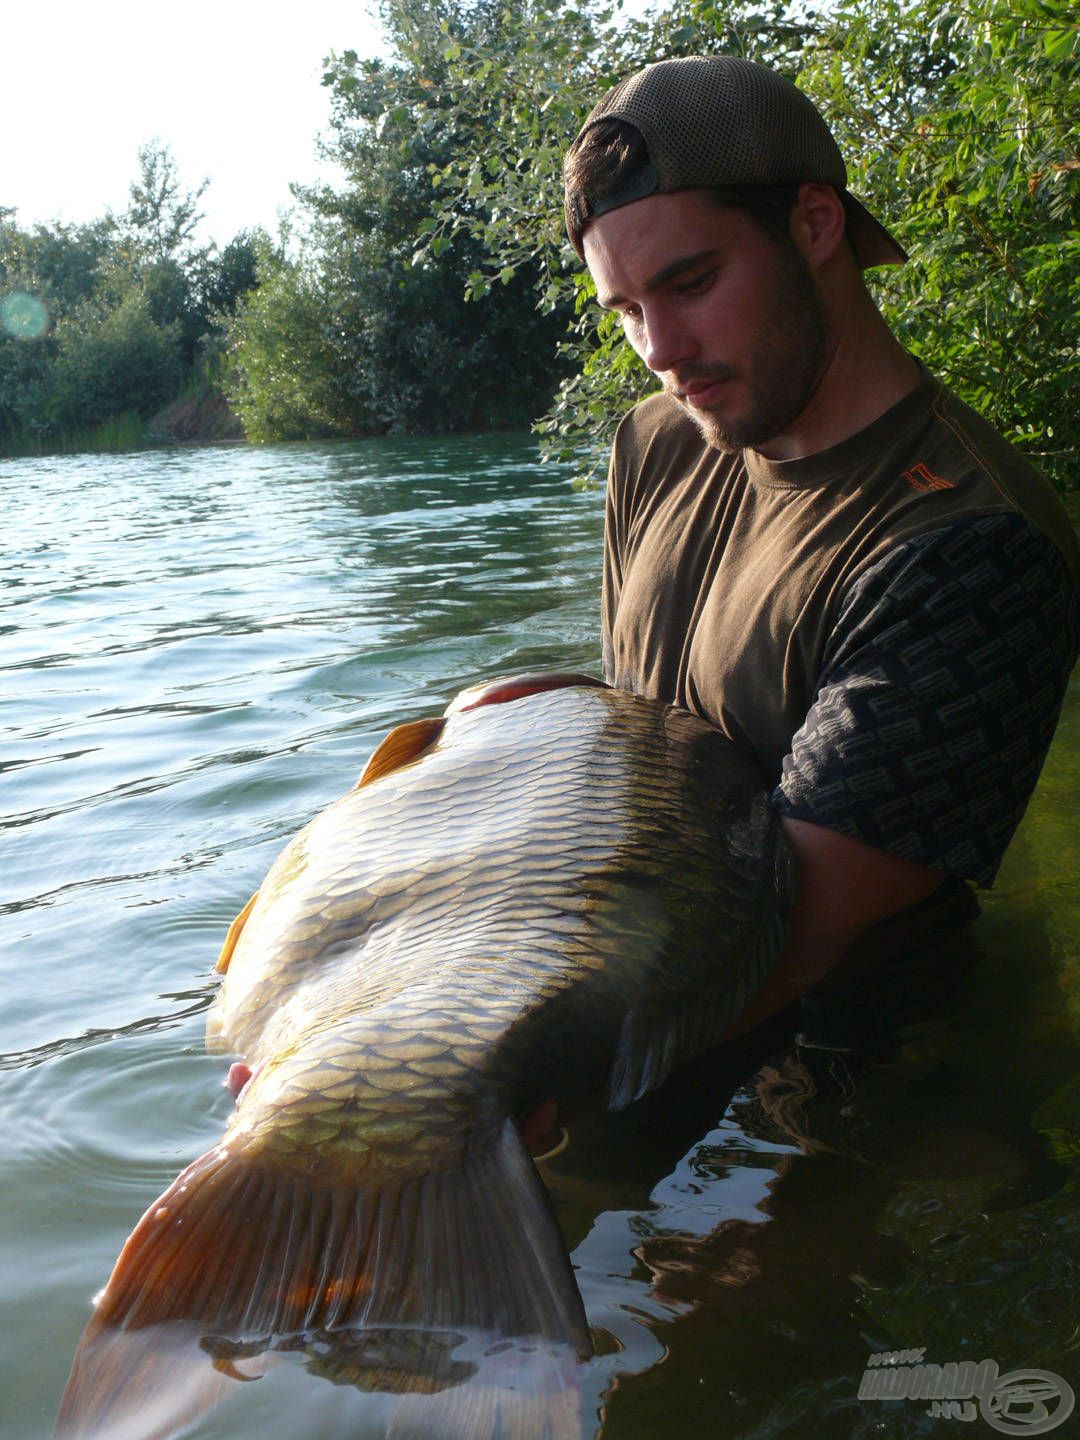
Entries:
{"x":710,"y":121}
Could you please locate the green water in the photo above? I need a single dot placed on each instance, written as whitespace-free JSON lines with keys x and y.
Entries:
{"x":198,"y":650}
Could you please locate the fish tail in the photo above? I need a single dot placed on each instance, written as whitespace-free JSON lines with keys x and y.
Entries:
{"x":238,"y":1252}
{"x":515,"y":1393}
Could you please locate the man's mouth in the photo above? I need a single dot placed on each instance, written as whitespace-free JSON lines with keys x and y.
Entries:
{"x":702,"y":391}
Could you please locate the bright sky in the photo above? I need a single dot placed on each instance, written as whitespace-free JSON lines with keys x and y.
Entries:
{"x":232,"y":88}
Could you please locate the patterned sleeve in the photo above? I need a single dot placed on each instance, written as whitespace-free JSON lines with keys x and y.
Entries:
{"x":939,"y":695}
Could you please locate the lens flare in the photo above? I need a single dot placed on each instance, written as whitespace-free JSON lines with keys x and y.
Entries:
{"x":23,"y":316}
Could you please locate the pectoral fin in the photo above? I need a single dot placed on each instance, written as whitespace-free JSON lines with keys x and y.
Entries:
{"x":673,"y":1026}
{"x":234,"y":935}
{"x":404,"y":744}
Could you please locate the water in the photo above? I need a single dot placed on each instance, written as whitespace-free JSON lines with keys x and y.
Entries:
{"x":199,"y":650}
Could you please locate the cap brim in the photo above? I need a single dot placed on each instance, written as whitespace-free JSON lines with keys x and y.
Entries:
{"x":872,"y":243}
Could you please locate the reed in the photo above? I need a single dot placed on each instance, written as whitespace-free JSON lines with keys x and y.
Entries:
{"x":120,"y":432}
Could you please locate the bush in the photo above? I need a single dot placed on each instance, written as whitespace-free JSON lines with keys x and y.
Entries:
{"x":111,"y":360}
{"x":959,"y":127}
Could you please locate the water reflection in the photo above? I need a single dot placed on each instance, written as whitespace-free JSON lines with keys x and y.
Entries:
{"x":898,"y":1200}
{"x":396,"y":1381}
{"x":200,"y":648}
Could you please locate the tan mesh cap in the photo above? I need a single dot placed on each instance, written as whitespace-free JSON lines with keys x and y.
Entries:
{"x":709,"y":121}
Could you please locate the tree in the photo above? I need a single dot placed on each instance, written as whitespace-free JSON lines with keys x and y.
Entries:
{"x":60,"y":264}
{"x":111,"y":360}
{"x":224,"y":278}
{"x":287,"y":377}
{"x":959,"y":126}
{"x":534,"y":82}
{"x":408,"y":349}
{"x":162,"y":216}
{"x":46,"y":272}
{"x":110,"y":318}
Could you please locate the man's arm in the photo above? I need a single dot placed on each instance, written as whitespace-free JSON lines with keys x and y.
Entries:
{"x":935,"y":709}
{"x":843,"y":888}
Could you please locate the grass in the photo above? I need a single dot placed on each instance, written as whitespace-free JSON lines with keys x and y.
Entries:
{"x":127,"y":431}
{"x":120,"y":432}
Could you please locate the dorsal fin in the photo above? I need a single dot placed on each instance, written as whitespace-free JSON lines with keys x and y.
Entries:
{"x":234,"y":935}
{"x":513,"y":687}
{"x":404,"y":744}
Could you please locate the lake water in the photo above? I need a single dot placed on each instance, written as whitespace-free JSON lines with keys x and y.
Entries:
{"x":199,"y":650}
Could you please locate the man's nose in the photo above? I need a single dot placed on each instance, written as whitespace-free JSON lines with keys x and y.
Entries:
{"x":666,"y":342}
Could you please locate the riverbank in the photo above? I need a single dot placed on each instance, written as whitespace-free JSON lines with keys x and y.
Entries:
{"x":201,"y":417}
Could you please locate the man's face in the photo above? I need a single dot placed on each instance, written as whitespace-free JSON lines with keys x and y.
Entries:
{"x":730,"y":320}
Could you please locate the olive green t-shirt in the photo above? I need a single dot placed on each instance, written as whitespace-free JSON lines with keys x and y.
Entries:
{"x":836,"y":613}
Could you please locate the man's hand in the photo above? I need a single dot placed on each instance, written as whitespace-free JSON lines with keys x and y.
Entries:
{"x":843,"y":888}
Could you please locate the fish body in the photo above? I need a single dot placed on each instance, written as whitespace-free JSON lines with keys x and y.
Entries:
{"x":561,"y":895}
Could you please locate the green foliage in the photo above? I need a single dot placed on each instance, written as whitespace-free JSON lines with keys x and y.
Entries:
{"x":435,"y":290}
{"x":224,"y":278}
{"x":56,"y":269}
{"x":102,"y":323}
{"x":110,"y":360}
{"x":162,"y":216}
{"x":286,"y":380}
{"x":60,"y":264}
{"x":23,"y":378}
{"x":533,"y":83}
{"x":119,"y":432}
{"x":388,"y":334}
{"x":959,"y":129}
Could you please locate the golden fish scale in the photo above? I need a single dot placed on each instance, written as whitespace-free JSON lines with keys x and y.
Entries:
{"x":464,"y":937}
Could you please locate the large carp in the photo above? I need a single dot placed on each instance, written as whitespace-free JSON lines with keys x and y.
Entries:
{"x":558,"y":891}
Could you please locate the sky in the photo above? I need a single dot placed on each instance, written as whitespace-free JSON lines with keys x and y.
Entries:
{"x":233,"y":90}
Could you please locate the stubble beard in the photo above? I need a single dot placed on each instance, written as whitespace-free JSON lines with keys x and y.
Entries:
{"x":784,"y":370}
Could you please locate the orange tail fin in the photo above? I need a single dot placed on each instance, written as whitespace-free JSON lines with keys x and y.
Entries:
{"x":237,"y":1254}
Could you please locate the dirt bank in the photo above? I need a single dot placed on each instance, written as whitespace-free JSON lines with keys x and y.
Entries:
{"x":197,"y":420}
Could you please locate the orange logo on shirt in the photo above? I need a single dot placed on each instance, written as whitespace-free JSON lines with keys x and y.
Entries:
{"x":921,"y":477}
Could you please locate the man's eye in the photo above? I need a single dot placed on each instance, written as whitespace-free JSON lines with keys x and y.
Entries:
{"x":698,"y":285}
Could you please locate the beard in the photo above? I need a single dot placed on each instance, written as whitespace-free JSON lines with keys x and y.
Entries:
{"x":783,"y":370}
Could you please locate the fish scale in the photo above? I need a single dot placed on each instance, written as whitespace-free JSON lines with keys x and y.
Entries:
{"x":509,"y":827}
{"x":558,"y":892}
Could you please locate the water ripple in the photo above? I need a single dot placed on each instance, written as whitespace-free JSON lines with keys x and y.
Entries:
{"x":71,"y":1045}
{"x":200,"y":649}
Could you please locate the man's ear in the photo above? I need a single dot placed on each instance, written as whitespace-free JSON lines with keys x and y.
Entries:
{"x":818,"y":222}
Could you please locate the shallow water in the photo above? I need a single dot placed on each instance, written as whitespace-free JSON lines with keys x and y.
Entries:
{"x":198,"y":650}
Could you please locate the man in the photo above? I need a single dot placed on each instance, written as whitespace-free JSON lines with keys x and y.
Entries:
{"x":810,"y":541}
